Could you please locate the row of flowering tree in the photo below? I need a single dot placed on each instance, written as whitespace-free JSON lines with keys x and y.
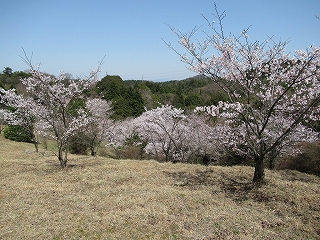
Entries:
{"x":171,"y":134}
{"x":165,"y":132}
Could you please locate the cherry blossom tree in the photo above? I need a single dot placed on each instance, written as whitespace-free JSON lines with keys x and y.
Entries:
{"x":171,"y":133}
{"x":120,"y":133}
{"x":162,"y":131}
{"x":50,"y":102}
{"x":270,"y":92}
{"x":19,"y":113}
{"x":49,"y":108}
{"x":3,"y":119}
{"x":97,"y":130}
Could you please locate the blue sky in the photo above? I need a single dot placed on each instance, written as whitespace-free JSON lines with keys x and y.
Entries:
{"x":74,"y":35}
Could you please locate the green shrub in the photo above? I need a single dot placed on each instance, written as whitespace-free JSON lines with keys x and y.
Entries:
{"x":79,"y":144}
{"x":232,"y":158}
{"x":18,"y":134}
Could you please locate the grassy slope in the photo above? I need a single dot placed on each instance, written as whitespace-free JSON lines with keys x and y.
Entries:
{"x":99,"y":198}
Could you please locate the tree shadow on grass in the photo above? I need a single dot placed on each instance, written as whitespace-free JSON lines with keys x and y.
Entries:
{"x":192,"y":180}
{"x":234,"y":189}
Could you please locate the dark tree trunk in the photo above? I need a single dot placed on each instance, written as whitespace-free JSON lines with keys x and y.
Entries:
{"x":35,"y":142}
{"x":36,"y":145}
{"x":258,"y":177}
{"x":63,"y":163}
{"x":62,"y":160}
{"x":272,"y":164}
{"x":274,"y":153}
{"x":92,"y":150}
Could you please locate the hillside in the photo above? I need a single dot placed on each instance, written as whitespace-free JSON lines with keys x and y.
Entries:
{"x":186,"y":94}
{"x":101,"y":198}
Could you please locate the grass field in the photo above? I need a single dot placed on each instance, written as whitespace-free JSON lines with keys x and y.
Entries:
{"x":101,"y":198}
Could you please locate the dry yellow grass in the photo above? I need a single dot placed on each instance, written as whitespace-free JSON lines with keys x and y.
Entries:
{"x":100,"y":198}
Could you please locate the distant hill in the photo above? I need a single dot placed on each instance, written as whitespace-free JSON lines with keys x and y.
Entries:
{"x":188,"y":93}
